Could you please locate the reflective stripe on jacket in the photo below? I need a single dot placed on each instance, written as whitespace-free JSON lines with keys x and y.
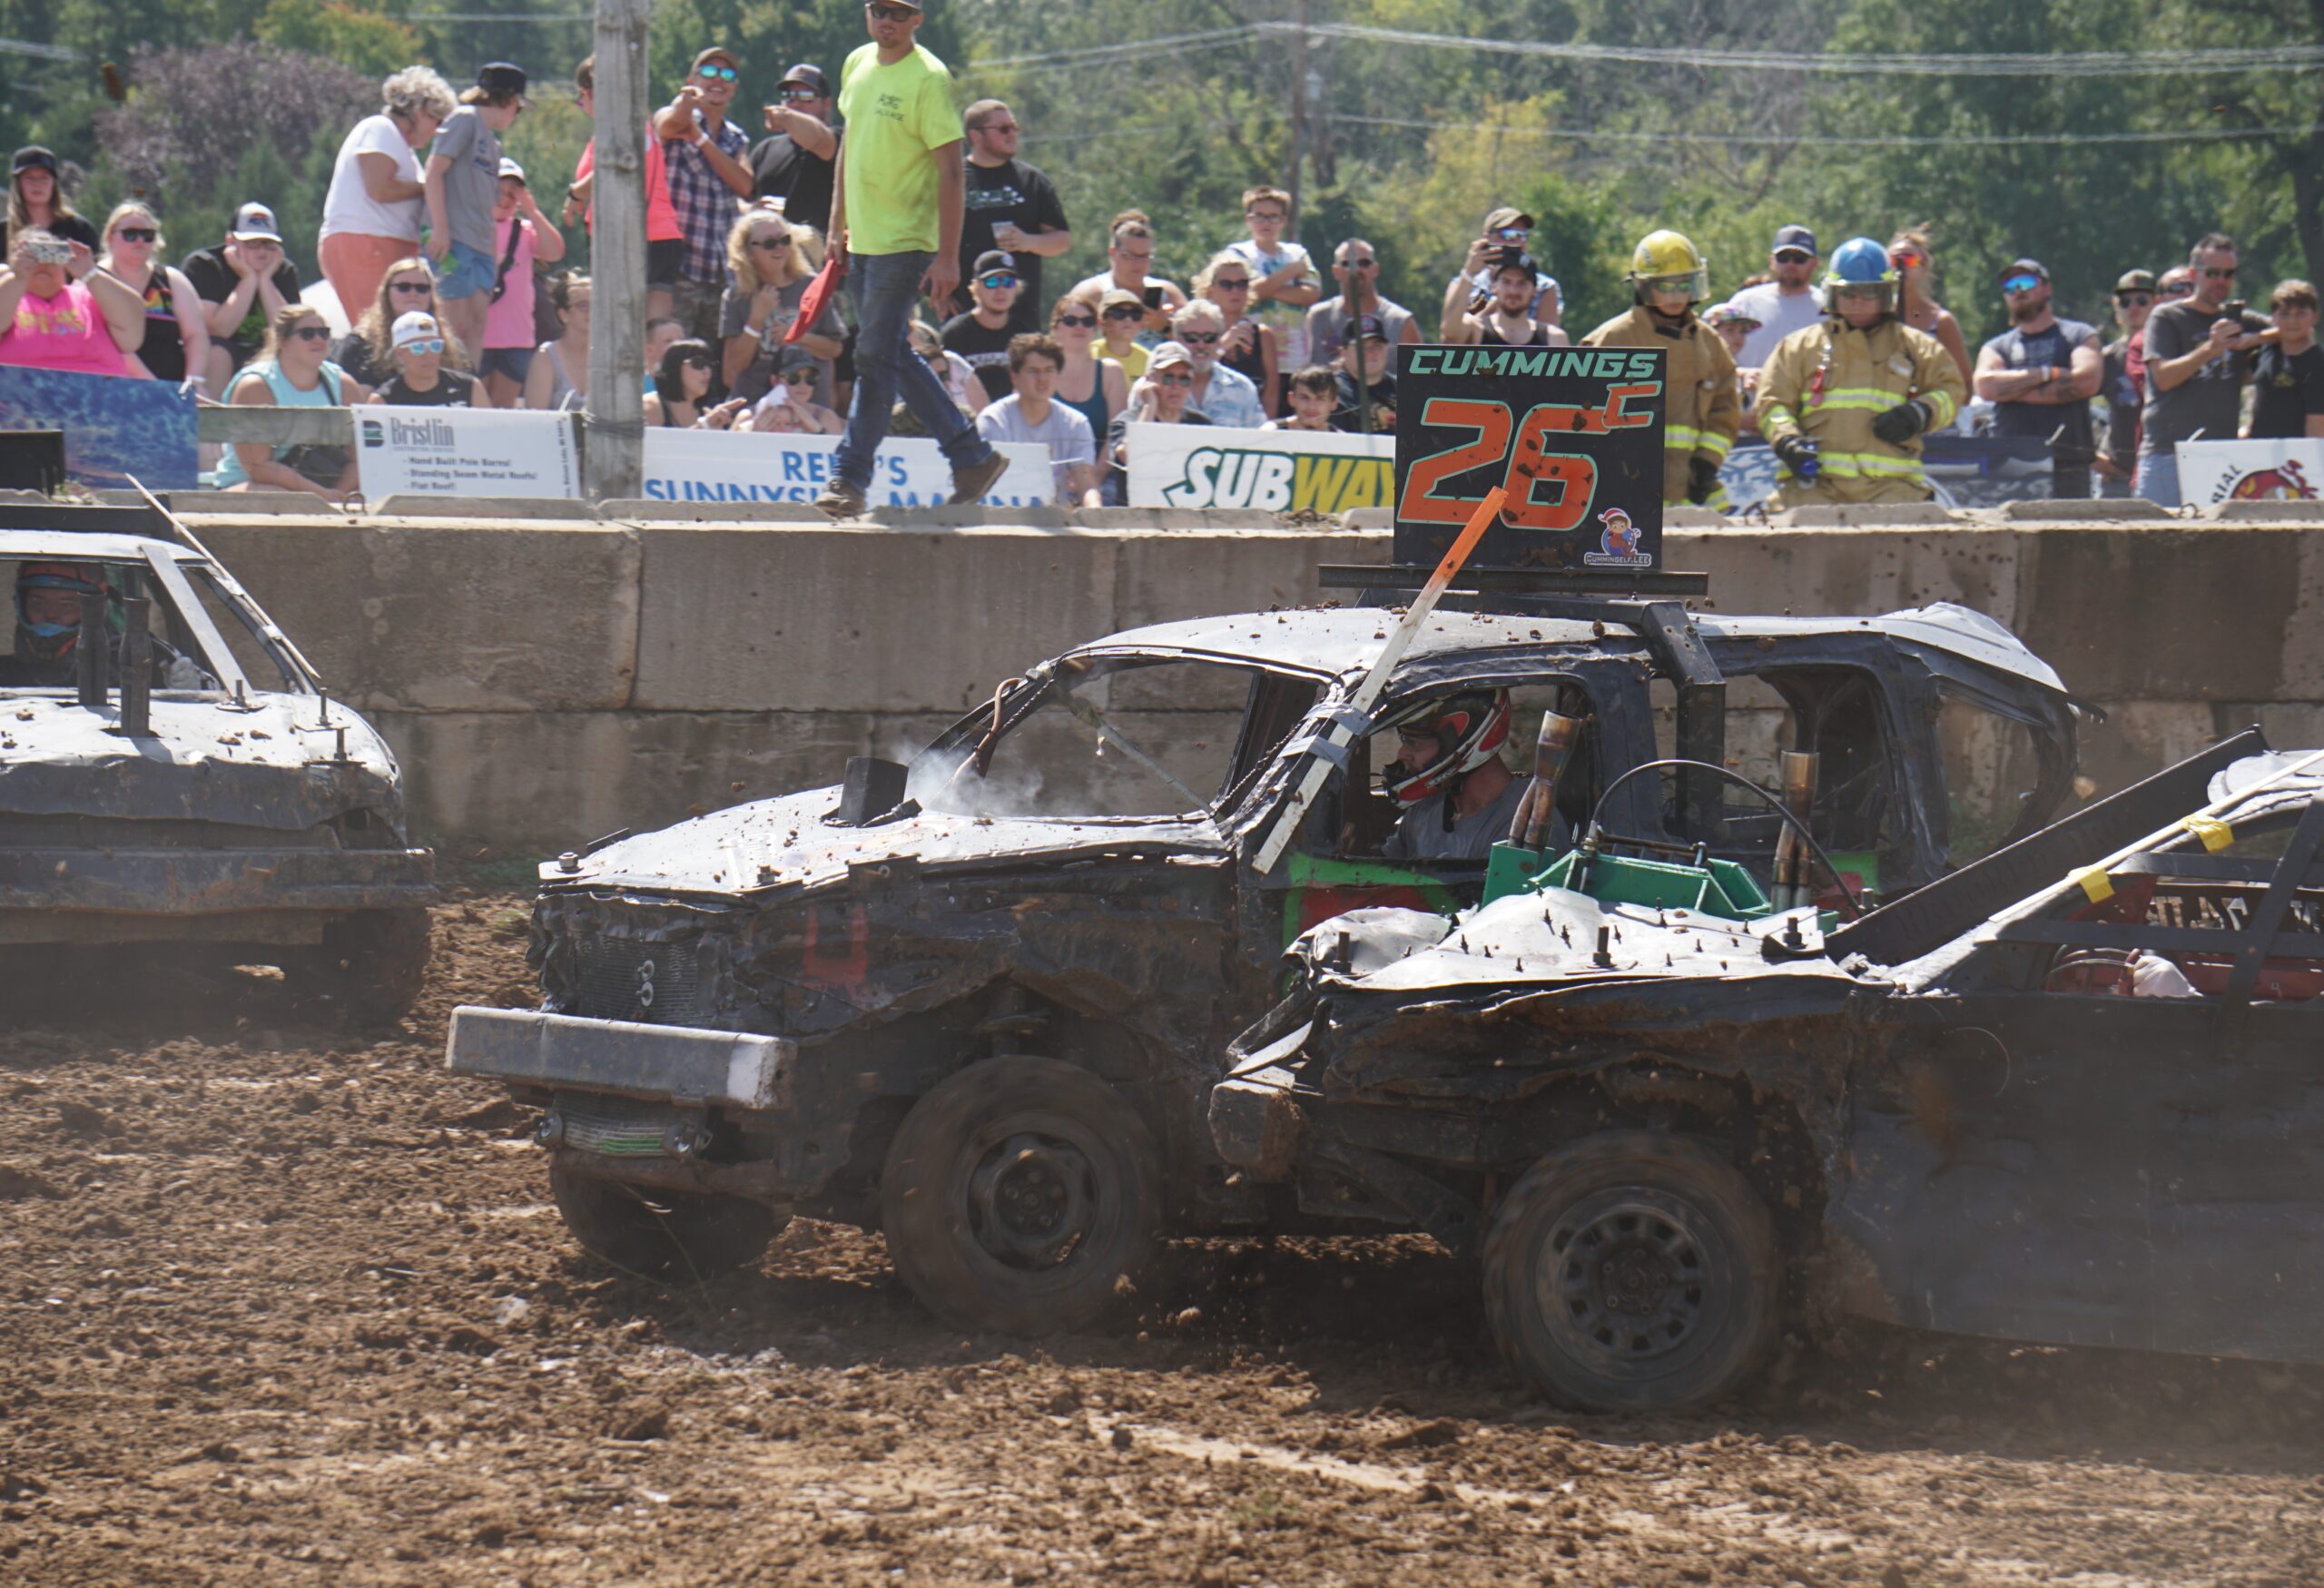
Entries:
{"x":1830,"y":382}
{"x":1701,"y":410}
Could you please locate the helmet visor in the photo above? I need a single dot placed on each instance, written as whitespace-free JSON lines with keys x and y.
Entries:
{"x":1860,"y":292}
{"x":1692,"y":284}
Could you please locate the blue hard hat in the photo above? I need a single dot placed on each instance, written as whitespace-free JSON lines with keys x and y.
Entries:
{"x":1860,"y":262}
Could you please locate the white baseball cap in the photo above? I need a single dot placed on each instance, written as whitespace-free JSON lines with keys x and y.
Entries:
{"x":417,"y":326}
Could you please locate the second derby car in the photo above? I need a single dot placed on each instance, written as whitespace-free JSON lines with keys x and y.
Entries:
{"x":2067,"y":1094}
{"x":979,"y":1002}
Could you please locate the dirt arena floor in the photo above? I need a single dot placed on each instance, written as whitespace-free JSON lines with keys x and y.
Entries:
{"x":281,"y":1307}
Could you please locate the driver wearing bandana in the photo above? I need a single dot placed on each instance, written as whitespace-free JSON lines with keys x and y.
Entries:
{"x":48,"y":632}
{"x":1458,"y":796}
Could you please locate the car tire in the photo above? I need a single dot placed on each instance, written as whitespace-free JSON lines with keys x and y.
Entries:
{"x":369,"y":968}
{"x":1018,"y":1196}
{"x":683,"y":1235}
{"x":1633,"y":1271}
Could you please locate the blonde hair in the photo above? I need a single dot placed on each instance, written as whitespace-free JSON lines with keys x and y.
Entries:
{"x":416,"y":91}
{"x":376,"y":328}
{"x":286,"y":319}
{"x":1223,"y":257}
{"x":795,"y":264}
{"x":122,"y":212}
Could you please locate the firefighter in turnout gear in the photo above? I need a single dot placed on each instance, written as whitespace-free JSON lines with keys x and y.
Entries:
{"x":1844,"y":402}
{"x":1702,"y":412}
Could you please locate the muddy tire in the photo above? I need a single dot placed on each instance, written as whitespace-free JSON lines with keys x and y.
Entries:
{"x":1017,"y":1194}
{"x":368,"y":971}
{"x":678,"y":1235}
{"x":1633,"y":1271}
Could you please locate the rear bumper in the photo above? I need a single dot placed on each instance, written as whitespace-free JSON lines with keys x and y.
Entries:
{"x":672,"y":1064}
{"x":198,"y":883}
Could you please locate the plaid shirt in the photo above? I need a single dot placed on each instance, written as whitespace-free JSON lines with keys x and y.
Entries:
{"x":706,"y":206}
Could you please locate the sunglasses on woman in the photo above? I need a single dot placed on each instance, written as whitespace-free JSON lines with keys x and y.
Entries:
{"x":2134,"y":299}
{"x":421,"y":349}
{"x":417,"y":288}
{"x":1079,"y":321}
{"x":800,"y":378}
{"x":1232,"y":283}
{"x":771,"y":244}
{"x":1125,"y":311}
{"x":137,"y":234}
{"x":312,"y":334}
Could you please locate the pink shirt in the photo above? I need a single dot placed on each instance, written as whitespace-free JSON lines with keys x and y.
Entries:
{"x":661,"y":215}
{"x":509,"y":322}
{"x":64,"y":333}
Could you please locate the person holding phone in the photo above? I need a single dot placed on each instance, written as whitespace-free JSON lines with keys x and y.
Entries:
{"x":56,"y":321}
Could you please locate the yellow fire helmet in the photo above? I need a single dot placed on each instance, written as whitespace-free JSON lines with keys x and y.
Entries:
{"x":1667,"y":261}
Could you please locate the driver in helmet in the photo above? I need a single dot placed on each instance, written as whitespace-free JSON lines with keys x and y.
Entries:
{"x":1458,"y":797}
{"x":48,"y":623}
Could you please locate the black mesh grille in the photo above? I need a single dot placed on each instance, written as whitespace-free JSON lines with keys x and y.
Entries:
{"x":623,"y":978}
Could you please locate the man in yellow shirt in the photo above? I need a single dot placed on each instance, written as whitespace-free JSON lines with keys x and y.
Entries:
{"x":896,"y":231}
{"x":1844,"y":402}
{"x":1667,"y":278}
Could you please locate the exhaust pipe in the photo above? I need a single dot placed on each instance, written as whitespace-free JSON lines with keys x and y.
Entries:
{"x":137,"y":669}
{"x":1552,"y":748}
{"x":1794,"y":883}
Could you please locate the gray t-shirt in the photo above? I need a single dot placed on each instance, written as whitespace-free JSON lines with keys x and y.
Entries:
{"x":1327,"y":325}
{"x":1063,"y":431}
{"x":1420,"y":832}
{"x":472,"y":184}
{"x":2210,"y":399}
{"x":1779,"y":316}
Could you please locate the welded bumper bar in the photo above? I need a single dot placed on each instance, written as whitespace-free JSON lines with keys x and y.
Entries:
{"x":196,"y":881}
{"x":676,"y":1064}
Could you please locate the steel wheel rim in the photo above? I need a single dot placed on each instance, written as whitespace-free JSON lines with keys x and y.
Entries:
{"x":1033,"y":1201}
{"x":1628,"y":1280}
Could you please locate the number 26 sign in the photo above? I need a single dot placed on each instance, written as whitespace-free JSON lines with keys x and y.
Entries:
{"x":1574,"y":435}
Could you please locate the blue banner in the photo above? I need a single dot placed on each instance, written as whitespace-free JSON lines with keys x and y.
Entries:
{"x":114,"y":427}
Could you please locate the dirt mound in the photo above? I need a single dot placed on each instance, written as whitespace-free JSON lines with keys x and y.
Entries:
{"x":287,"y":1306}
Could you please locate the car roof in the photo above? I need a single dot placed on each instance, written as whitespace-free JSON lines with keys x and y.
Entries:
{"x":1344,"y":639}
{"x":80,"y":545}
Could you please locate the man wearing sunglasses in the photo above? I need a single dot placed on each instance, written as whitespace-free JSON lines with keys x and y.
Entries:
{"x":896,"y":233}
{"x":1009,"y":205}
{"x":982,"y":335}
{"x":1507,"y":230}
{"x":2197,"y":358}
{"x":2122,"y":378}
{"x":1355,"y":265}
{"x":2040,"y":375}
{"x":1786,"y":304}
{"x":797,"y":162}
{"x":705,"y":154}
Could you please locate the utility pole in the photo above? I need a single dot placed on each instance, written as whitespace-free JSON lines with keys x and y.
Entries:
{"x":614,"y":439}
{"x":1298,"y":111}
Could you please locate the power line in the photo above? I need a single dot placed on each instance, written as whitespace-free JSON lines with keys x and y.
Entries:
{"x":2107,"y":63}
{"x":1978,"y":140}
{"x":1179,"y":42}
{"x":37,"y":52}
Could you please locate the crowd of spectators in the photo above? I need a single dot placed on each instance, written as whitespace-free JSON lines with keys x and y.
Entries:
{"x":439,"y":251}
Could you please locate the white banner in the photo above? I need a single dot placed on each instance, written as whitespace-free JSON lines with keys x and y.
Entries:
{"x":1268,"y":471}
{"x":466,"y":451}
{"x":2250,"y":472}
{"x":722,"y":466}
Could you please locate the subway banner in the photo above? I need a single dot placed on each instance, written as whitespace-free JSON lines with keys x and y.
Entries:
{"x":1573,"y":434}
{"x":1267,"y":471}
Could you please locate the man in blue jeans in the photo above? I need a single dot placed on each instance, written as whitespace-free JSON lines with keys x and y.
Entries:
{"x":896,"y":230}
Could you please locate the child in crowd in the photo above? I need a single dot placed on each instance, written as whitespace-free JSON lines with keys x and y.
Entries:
{"x":790,"y":407}
{"x":1313,"y":394}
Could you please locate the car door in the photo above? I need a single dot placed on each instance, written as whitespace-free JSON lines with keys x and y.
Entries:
{"x":2041,"y":1153}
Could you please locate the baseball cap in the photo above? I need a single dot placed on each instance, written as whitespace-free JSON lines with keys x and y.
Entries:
{"x":1173,"y":352}
{"x":716,"y":52}
{"x":417,"y":326}
{"x":34,"y":155}
{"x":1731,"y":314}
{"x":2023,"y":267}
{"x":510,"y":168}
{"x":807,"y":76}
{"x":994,"y":259}
{"x":1508,"y":216}
{"x":255,"y":223}
{"x":1369,"y":327}
{"x":500,"y":77}
{"x":1798,"y":237}
{"x":794,"y":356}
{"x":1116,"y":296}
{"x":2135,"y":281}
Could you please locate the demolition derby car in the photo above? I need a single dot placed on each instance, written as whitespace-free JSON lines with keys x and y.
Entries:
{"x":182,"y":781}
{"x":979,"y":1002}
{"x":2067,"y":1094}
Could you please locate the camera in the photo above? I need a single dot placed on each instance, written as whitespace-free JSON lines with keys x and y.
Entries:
{"x":55,"y":252}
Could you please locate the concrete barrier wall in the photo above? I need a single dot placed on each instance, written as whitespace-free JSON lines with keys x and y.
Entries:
{"x":549,"y":679}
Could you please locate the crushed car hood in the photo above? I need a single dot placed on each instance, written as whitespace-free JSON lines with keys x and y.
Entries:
{"x":772,"y":847}
{"x":270,"y":765}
